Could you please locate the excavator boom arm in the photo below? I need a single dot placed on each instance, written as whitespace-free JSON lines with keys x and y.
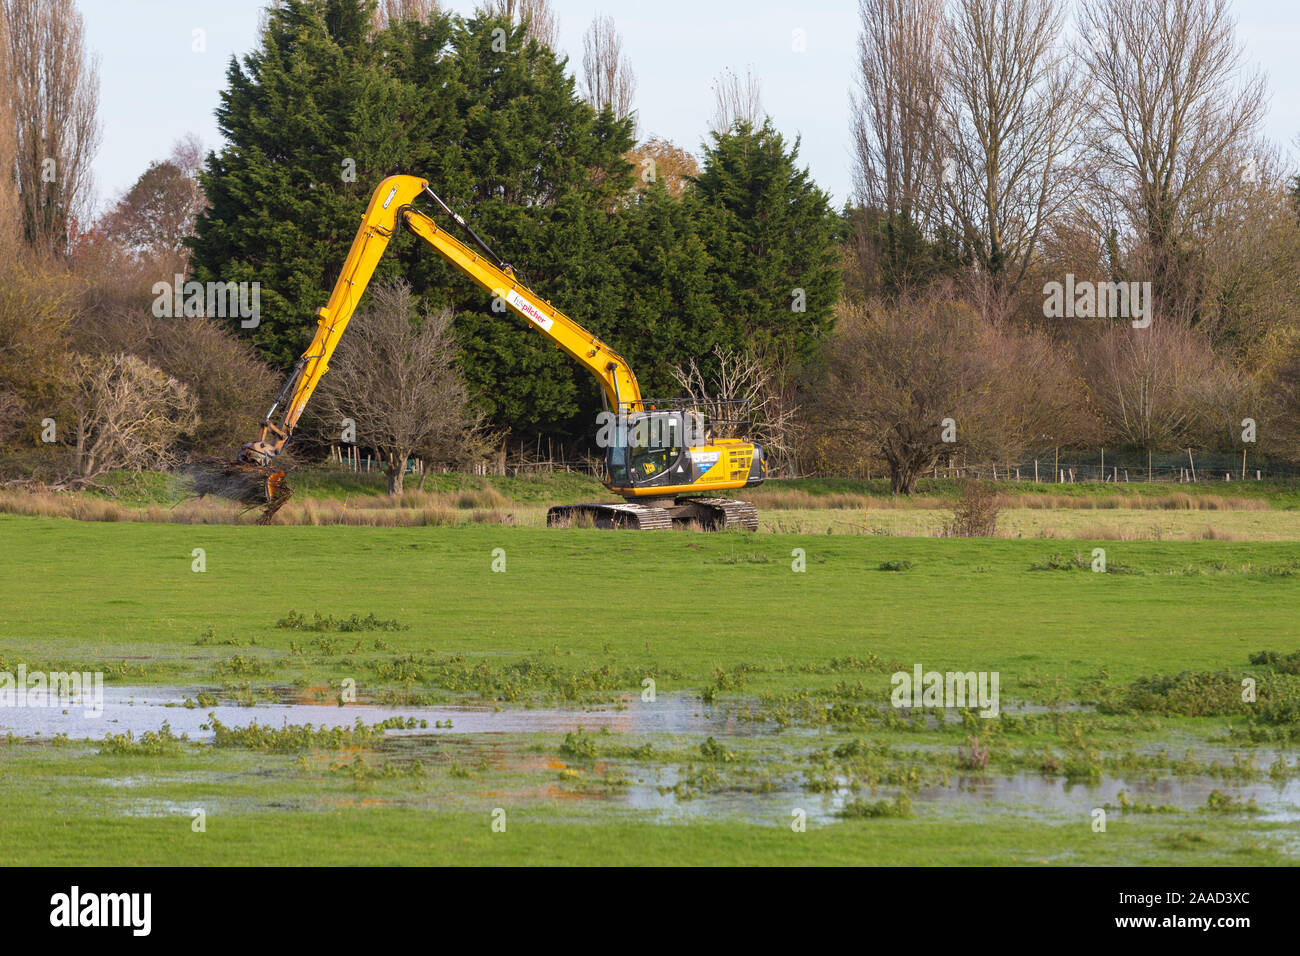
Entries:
{"x":390,"y":207}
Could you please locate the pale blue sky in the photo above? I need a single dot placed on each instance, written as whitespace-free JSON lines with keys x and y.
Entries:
{"x":156,"y":88}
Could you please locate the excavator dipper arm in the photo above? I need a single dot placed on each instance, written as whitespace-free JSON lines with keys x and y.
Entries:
{"x":390,"y":207}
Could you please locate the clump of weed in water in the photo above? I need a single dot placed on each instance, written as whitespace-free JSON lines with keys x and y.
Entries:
{"x":152,"y":743}
{"x":1128,"y":804}
{"x":734,"y":679}
{"x":712,"y":750}
{"x":209,"y":637}
{"x":1220,"y":802}
{"x":1197,"y":694}
{"x":1050,"y":764}
{"x":362,"y":771}
{"x":973,"y":757}
{"x":241,"y":666}
{"x":900,"y":806}
{"x":695,"y":782}
{"x":328,"y":647}
{"x":294,"y":737}
{"x":578,"y":744}
{"x":515,"y":680}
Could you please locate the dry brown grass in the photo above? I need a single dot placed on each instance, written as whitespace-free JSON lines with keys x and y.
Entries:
{"x":433,"y":514}
{"x":48,"y":504}
{"x":794,"y":499}
{"x":576,"y":519}
{"x":1142,"y":533}
{"x":1174,"y":501}
{"x":423,"y":510}
{"x":791,"y":511}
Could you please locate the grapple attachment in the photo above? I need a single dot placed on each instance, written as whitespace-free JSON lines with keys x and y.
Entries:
{"x":257,"y":486}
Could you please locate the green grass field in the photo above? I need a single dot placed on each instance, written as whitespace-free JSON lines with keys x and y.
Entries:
{"x":794,"y":667}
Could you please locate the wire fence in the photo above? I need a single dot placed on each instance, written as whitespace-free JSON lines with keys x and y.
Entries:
{"x":1104,"y":467}
{"x":364,"y":461}
{"x":1076,"y":468}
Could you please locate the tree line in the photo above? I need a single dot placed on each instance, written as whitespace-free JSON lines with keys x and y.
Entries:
{"x":1066,"y":231}
{"x":1070,"y":232}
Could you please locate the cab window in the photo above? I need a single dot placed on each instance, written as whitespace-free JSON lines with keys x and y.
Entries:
{"x":655,"y":449}
{"x":616,"y":459}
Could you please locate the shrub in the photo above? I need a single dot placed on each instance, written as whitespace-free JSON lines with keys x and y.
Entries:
{"x":976,"y":513}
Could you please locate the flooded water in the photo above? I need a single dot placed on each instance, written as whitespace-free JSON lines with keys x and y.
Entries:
{"x":1028,"y":793}
{"x":141,"y":709}
{"x":1025,"y":793}
{"x":1277,"y":802}
{"x":650,"y":788}
{"x":771,"y":806}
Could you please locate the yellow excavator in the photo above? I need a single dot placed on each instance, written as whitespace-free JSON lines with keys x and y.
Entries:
{"x":660,"y":456}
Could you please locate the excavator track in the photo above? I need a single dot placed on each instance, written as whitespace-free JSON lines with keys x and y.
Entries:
{"x":711,"y":514}
{"x":603,"y":515}
{"x":728,"y":514}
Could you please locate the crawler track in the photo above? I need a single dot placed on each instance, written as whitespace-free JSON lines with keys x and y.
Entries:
{"x":728,"y":513}
{"x":712,"y":514}
{"x":629,"y":515}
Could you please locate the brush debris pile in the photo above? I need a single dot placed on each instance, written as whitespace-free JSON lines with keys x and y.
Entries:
{"x":252,"y":485}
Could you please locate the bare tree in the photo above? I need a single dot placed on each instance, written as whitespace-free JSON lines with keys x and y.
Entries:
{"x":743,"y":383}
{"x":126,"y":414}
{"x":898,"y":374}
{"x":52,"y":84}
{"x":1153,"y":390}
{"x":1172,"y":101}
{"x":10,"y":218}
{"x":1248,"y":253}
{"x":606,"y":72}
{"x":1280,"y":433}
{"x":537,"y":15}
{"x":1043,"y":397}
{"x":925,"y":378}
{"x":896,"y":107}
{"x":1011,"y":117}
{"x":396,"y":379}
{"x":737,"y":99}
{"x":395,"y":11}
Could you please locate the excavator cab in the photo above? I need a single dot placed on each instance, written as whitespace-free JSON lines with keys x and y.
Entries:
{"x":669,"y":464}
{"x":651,"y":449}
